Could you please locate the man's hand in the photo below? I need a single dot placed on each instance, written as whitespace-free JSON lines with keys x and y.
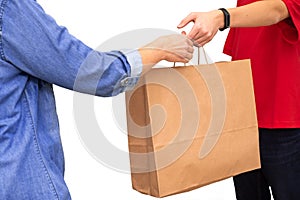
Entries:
{"x":172,"y":48}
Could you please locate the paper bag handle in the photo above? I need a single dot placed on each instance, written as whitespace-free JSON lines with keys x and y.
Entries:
{"x":205,"y":56}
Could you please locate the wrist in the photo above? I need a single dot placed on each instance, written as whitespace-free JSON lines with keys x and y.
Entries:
{"x":226,"y":19}
{"x":151,"y":56}
{"x":219,"y":18}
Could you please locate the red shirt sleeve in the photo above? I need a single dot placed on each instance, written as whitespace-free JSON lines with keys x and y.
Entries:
{"x":290,"y":27}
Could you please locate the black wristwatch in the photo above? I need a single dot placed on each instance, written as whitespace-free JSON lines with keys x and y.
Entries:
{"x":226,"y":19}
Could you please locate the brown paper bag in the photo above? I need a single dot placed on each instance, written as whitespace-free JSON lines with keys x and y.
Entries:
{"x":191,"y":126}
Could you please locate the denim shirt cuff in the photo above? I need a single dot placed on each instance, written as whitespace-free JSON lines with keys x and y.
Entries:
{"x":135,"y":61}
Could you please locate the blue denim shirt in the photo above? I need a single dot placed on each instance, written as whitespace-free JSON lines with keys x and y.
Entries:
{"x":34,"y":54}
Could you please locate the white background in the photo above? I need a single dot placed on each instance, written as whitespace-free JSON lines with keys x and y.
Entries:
{"x":94,"y":22}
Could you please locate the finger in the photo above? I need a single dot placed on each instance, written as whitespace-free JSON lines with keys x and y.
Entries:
{"x":186,"y":39}
{"x":187,"y":58}
{"x":204,"y":40}
{"x":183,"y":60}
{"x":181,"y":57}
{"x":190,"y":49}
{"x":186,"y":20}
{"x":194,"y":32}
{"x":189,"y":42}
{"x":201,"y":42}
{"x":201,"y":37}
{"x":187,"y":55}
{"x":197,"y":44}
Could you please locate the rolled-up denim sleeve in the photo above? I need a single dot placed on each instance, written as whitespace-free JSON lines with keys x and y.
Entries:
{"x":32,"y":41}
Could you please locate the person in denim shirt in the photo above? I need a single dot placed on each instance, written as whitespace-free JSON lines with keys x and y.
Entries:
{"x":36,"y":53}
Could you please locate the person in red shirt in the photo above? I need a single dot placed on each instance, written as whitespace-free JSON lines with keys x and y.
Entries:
{"x":267,"y":32}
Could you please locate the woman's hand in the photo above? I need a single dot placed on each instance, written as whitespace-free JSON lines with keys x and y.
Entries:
{"x":206,"y":25}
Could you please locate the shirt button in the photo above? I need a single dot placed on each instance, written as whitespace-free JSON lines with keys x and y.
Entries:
{"x":125,"y":82}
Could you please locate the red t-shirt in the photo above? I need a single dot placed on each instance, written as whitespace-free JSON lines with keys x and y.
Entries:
{"x":275,"y":58}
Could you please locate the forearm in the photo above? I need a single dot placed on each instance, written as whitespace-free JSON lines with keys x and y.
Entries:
{"x":149,"y":58}
{"x":260,"y":13}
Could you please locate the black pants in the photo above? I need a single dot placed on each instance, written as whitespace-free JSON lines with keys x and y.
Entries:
{"x":280,"y":172}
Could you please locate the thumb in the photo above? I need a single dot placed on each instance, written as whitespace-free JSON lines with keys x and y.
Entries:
{"x":186,"y":20}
